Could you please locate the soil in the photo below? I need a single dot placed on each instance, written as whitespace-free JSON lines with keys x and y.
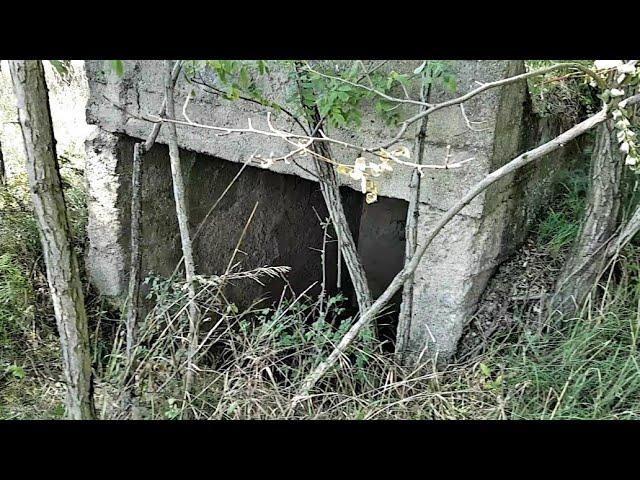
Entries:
{"x":513,"y":298}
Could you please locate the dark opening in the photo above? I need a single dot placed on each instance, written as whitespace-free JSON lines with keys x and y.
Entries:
{"x":284,"y":230}
{"x":381,"y":245}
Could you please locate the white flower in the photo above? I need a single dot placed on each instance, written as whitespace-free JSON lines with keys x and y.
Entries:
{"x":621,"y":78}
{"x":371,"y":197}
{"x":620,"y":136}
{"x":359,"y":168}
{"x":360,"y":164}
{"x":630,"y":160}
{"x":617,"y":114}
{"x":356,"y":174}
{"x":605,"y":64}
{"x":622,"y":124}
{"x":616,"y":92}
{"x":626,"y":68}
{"x":624,"y":148}
{"x":375,"y":169}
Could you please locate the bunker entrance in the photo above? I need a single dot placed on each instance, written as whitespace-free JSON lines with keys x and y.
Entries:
{"x":285,"y":230}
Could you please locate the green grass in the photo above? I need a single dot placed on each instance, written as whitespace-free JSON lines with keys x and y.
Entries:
{"x":584,"y":368}
{"x":561,"y":224}
{"x":29,"y":348}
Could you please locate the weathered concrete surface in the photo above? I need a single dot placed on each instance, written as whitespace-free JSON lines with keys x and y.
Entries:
{"x":283,"y":231}
{"x":455,"y":269}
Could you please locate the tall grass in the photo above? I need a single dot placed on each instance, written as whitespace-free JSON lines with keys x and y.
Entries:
{"x":561,"y":224}
{"x":30,"y":380}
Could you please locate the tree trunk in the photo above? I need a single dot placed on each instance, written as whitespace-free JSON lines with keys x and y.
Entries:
{"x":3,"y":172}
{"x":183,"y":224}
{"x":330,"y":189}
{"x":62,"y":266}
{"x":139,"y":149}
{"x":331,"y":193}
{"x":134,"y":271}
{"x":411,"y":242}
{"x":589,"y":255}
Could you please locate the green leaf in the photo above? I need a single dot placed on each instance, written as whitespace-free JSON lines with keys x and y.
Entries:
{"x":485,"y":370}
{"x":338,"y":118}
{"x":117,"y":66}
{"x":16,"y":371}
{"x":263,"y":67}
{"x":244,"y":77}
{"x":61,"y":66}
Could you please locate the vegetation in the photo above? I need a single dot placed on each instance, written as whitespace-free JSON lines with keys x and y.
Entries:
{"x":251,"y":362}
{"x":577,"y":368}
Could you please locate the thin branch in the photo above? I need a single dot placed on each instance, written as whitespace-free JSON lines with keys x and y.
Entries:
{"x":482,"y":88}
{"x":183,"y":223}
{"x":217,"y":91}
{"x":156,"y":128}
{"x":369,"y":89}
{"x":288,"y":137}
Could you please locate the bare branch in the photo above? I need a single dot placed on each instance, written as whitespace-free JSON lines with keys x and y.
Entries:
{"x":482,"y":88}
{"x":156,"y":128}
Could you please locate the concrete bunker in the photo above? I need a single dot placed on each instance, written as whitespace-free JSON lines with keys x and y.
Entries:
{"x":285,"y":229}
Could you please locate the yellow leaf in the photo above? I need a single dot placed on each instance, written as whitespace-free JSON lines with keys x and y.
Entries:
{"x":343,"y":170}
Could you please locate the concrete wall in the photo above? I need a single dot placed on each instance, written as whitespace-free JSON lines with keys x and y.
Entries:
{"x":283,"y":231}
{"x":453,"y":273}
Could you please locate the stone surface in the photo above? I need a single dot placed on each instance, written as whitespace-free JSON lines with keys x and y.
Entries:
{"x":286,"y":230}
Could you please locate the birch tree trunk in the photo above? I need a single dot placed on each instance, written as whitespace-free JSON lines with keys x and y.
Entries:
{"x":589,"y":255}
{"x":62,"y":266}
{"x":134,"y":271}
